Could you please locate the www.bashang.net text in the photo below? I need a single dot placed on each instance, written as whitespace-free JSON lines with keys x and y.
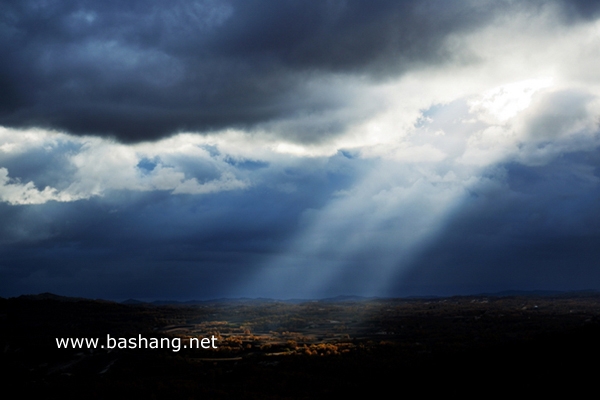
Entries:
{"x":139,"y":342}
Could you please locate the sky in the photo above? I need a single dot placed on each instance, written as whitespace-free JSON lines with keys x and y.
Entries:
{"x":289,"y":149}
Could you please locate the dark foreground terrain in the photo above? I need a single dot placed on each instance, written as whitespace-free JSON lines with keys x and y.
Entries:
{"x":473,"y":346}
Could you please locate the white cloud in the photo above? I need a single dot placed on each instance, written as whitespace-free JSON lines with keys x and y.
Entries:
{"x":96,"y":166}
{"x":506,"y":101}
{"x":17,"y":193}
{"x":515,"y":80}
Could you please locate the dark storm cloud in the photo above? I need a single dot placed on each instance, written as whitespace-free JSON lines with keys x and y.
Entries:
{"x":540,"y":231}
{"x":140,"y":70}
{"x":587,"y":9}
{"x":149,"y":246}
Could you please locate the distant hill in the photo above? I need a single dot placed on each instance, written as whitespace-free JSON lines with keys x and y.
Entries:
{"x":56,"y":297}
{"x":50,"y":296}
{"x":541,"y":293}
{"x":337,"y":299}
{"x":133,"y":302}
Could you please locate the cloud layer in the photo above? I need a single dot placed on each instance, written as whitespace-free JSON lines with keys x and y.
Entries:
{"x":145,"y":70}
{"x":202,"y":149}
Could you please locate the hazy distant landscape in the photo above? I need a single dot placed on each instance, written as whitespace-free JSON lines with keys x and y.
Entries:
{"x":269,"y":348}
